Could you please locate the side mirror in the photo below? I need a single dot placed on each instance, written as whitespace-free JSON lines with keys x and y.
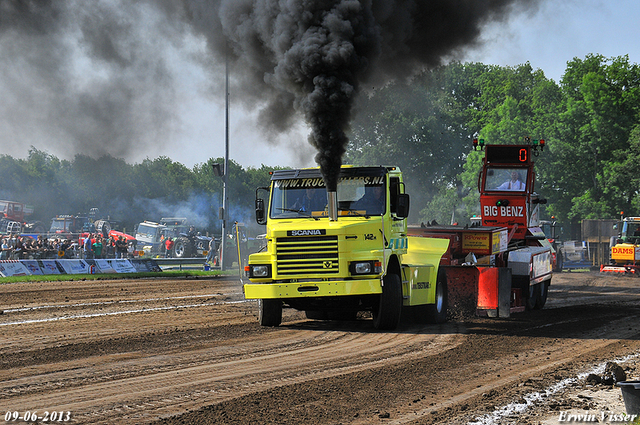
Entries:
{"x":260,"y":217}
{"x":402,"y":205}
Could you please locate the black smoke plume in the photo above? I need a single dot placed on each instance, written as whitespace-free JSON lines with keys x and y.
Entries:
{"x":89,"y":78}
{"x":288,"y":58}
{"x":313,"y":56}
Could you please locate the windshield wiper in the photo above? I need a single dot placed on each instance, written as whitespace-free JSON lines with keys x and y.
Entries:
{"x":354,"y":212}
{"x":299,"y":211}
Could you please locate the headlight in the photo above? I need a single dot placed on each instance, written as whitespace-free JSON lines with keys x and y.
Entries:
{"x":362,"y":268}
{"x":365,"y":267}
{"x":258,"y":270}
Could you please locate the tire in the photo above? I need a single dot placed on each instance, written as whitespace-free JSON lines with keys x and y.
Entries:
{"x":35,"y":227}
{"x":542,"y":294}
{"x":559,"y":262}
{"x":437,"y":313}
{"x":386,"y":315}
{"x":270,"y":312}
{"x":182,"y":248}
{"x":103,"y":227}
{"x":533,"y":296}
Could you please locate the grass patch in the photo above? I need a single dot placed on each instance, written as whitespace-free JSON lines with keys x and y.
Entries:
{"x":114,"y":276}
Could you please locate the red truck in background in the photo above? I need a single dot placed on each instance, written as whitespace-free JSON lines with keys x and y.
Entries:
{"x":13,"y":219}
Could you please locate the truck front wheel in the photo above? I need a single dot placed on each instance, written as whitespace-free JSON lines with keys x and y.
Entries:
{"x":270,"y":312}
{"x":386,"y":315}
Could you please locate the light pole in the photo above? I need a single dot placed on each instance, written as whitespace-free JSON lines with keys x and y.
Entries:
{"x":225,"y":214}
{"x":218,"y":170}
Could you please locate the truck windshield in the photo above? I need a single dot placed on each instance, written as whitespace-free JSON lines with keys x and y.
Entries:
{"x":57,"y":225}
{"x":146,"y":233}
{"x":507,"y":179}
{"x":300,"y":198}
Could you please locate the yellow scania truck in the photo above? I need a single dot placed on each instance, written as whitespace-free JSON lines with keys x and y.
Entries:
{"x":333,"y":254}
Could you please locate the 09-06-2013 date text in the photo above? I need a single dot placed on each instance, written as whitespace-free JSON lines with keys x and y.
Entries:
{"x":28,"y":416}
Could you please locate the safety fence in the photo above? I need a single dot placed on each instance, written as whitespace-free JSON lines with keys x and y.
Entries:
{"x":76,"y":266}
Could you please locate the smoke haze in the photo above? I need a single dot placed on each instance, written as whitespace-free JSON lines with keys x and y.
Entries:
{"x":101,"y":77}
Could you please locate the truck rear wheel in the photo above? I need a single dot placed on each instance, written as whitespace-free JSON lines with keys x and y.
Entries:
{"x":386,"y":315}
{"x":437,"y":313}
{"x":270,"y":312}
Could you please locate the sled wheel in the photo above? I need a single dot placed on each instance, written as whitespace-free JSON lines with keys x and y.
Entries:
{"x":542,"y":294}
{"x":533,"y":295}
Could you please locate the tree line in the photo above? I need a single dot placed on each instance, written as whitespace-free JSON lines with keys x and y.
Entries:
{"x":590,"y":168}
{"x":130,"y":193}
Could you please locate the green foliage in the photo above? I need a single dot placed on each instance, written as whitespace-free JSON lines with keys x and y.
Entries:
{"x":443,"y":207}
{"x":620,"y":178}
{"x":469,"y":178}
{"x":599,"y":111}
{"x":423,"y":126}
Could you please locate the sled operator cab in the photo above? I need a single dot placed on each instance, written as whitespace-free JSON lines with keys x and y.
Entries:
{"x":507,"y":189}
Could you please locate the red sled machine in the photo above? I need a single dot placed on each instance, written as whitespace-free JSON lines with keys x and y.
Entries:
{"x":505,"y":264}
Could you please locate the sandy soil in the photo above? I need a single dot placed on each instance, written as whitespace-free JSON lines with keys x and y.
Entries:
{"x":190,"y":351}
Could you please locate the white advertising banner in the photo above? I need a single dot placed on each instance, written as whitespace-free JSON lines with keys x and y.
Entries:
{"x":105,"y":266}
{"x":123,"y":266}
{"x":75,"y":266}
{"x":49,"y":267}
{"x":32,"y":266}
{"x":12,"y":268}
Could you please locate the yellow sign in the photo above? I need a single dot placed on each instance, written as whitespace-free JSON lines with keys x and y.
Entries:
{"x":623,"y":253}
{"x":476,"y":242}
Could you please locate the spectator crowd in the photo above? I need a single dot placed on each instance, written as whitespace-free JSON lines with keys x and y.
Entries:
{"x":92,"y":246}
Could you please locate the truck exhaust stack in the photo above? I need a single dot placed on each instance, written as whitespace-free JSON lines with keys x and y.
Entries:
{"x":332,"y":203}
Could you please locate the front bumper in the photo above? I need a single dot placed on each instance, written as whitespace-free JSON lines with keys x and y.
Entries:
{"x":312,"y":289}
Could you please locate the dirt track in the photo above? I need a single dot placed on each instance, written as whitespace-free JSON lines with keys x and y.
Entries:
{"x":191,"y":352}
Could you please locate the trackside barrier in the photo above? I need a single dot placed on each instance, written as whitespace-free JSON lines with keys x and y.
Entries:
{"x":75,"y":266}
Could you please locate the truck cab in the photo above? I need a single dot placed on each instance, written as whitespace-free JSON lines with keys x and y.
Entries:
{"x":150,"y":237}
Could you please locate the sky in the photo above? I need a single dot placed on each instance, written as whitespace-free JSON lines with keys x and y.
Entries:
{"x":44,"y":85}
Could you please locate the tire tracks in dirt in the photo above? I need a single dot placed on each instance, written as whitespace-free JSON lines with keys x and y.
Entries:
{"x":93,"y":390}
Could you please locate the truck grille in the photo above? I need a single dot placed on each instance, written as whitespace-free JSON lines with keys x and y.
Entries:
{"x":307,"y":255}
